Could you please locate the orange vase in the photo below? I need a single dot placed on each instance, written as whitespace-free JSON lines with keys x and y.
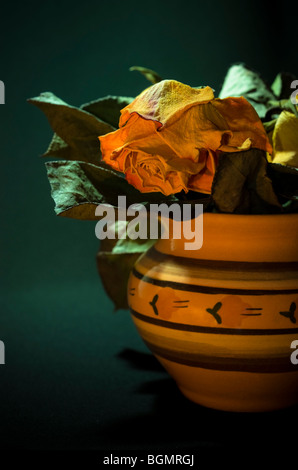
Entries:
{"x":222,"y":320}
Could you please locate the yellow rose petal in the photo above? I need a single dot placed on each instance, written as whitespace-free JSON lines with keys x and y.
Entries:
{"x":285,"y":140}
{"x":166,"y":100}
{"x":246,"y":144}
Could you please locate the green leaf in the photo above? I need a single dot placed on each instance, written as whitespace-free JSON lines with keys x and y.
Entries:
{"x":281,"y":86}
{"x":277,"y":106}
{"x":108,"y":108}
{"x":72,"y":189}
{"x":115,"y":260}
{"x":269,"y":125}
{"x":76,"y":131}
{"x":241,"y":184}
{"x":128,"y":245}
{"x":152,"y":76}
{"x":242,"y":81}
{"x":78,"y":187}
{"x":60,"y":149}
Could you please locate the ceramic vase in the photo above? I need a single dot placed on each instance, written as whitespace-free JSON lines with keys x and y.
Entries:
{"x":222,"y":319}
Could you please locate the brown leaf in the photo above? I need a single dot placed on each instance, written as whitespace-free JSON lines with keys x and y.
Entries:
{"x":241,"y":184}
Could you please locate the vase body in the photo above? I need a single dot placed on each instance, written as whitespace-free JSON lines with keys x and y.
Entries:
{"x":222,"y":320}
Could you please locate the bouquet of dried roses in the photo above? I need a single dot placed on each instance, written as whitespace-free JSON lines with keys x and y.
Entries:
{"x":235,"y":153}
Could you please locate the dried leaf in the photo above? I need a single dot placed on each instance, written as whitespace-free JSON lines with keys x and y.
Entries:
{"x":277,"y":106}
{"x":281,"y":86}
{"x":115,"y":259}
{"x":269,"y":126}
{"x":152,"y":76}
{"x":241,"y":184}
{"x":108,"y":108}
{"x":76,"y":131}
{"x":60,"y":149}
{"x":285,"y":180}
{"x":78,"y":187}
{"x":114,"y":271}
{"x":241,"y":81}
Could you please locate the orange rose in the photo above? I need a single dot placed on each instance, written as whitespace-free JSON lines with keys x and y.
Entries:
{"x":170,"y":137}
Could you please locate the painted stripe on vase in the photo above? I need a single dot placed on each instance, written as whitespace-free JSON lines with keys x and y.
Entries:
{"x":209,"y":289}
{"x":210,"y":329}
{"x":217,"y":269}
{"x":159,"y":256}
{"x":244,"y":364}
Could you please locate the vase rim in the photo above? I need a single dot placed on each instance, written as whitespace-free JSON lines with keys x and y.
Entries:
{"x":241,"y":237}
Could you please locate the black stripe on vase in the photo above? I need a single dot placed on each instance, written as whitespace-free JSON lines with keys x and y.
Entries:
{"x":237,"y":364}
{"x":209,"y":289}
{"x":211,"y":329}
{"x":234,"y":266}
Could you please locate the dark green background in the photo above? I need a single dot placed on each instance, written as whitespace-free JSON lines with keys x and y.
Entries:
{"x":68,"y":382}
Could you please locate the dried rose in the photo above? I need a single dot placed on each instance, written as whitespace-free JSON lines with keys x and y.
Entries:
{"x":170,"y":137}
